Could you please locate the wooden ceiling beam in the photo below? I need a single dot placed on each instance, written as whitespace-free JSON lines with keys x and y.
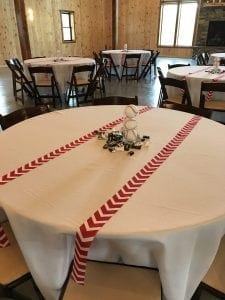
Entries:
{"x":22,"y":28}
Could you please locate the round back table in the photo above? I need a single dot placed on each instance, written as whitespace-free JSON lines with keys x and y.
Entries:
{"x":215,"y":55}
{"x":118,"y":55}
{"x":194,"y":76}
{"x":62,"y":67}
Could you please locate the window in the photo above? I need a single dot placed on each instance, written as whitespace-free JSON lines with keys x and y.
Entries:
{"x":177,"y":22}
{"x":67,"y":23}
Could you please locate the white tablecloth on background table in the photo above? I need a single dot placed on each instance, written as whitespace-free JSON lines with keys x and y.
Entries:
{"x":194,"y":76}
{"x":62,"y":67}
{"x":215,"y":55}
{"x":118,"y":57}
{"x":174,"y":221}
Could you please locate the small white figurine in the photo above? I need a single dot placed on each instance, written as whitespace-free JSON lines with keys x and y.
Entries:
{"x":130,"y":123}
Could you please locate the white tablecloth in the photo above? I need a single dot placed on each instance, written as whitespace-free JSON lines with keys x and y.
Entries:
{"x":62,"y":67}
{"x":215,"y":55}
{"x":119,"y":55}
{"x":194,"y":76}
{"x":174,"y":221}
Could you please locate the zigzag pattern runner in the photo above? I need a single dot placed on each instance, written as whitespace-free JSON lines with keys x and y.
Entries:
{"x":4,"y":242}
{"x":89,"y":229}
{"x":52,"y":155}
{"x":210,"y":93}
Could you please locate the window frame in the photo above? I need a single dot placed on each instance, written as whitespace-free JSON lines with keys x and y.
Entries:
{"x":71,"y":26}
{"x":178,"y":2}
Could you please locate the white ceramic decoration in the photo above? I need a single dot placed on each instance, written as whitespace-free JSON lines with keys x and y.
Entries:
{"x":131,"y":135}
{"x":131,"y":111}
{"x":130,"y":124}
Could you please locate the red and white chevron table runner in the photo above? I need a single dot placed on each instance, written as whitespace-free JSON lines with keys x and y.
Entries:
{"x":210,"y":93}
{"x":4,"y":242}
{"x":89,"y":229}
{"x":22,"y":170}
{"x":200,"y":70}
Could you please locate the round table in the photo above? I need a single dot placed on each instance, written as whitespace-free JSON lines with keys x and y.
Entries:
{"x":215,"y":55}
{"x":194,"y":76}
{"x":58,"y":175}
{"x":62,"y":67}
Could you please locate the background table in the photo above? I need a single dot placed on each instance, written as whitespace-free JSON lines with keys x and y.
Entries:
{"x":194,"y":76}
{"x":215,"y":55}
{"x":174,"y":221}
{"x":118,"y":57}
{"x":62,"y":67}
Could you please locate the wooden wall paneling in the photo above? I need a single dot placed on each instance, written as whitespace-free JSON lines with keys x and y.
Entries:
{"x":77,"y":47}
{"x":41,"y":28}
{"x":93,"y":20}
{"x":139,"y":26}
{"x":107,"y":25}
{"x":114,"y":24}
{"x":132,"y":23}
{"x":154,"y":23}
{"x":10,"y":45}
{"x":73,"y":48}
{"x":137,"y":19}
{"x":96,"y":29}
{"x":122,"y":39}
{"x":86,"y":26}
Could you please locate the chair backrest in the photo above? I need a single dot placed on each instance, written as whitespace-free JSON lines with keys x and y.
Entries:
{"x":21,"y":115}
{"x":95,"y":55}
{"x":108,"y":59}
{"x":180,"y":84}
{"x":154,"y":56}
{"x":41,"y":69}
{"x":18,"y":63}
{"x":19,"y":75}
{"x":13,"y":68}
{"x":47,"y":70}
{"x":201,"y":59}
{"x":84,"y":68}
{"x":207,"y":87}
{"x":134,"y":57}
{"x":189,"y":109}
{"x":177,"y":65}
{"x":149,"y":61}
{"x":115,"y":100}
{"x":206,"y":56}
{"x":94,"y":81}
{"x":89,"y":69}
{"x":109,"y":63}
{"x":160,"y":72}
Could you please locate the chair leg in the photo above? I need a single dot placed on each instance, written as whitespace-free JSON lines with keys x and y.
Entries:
{"x":58,"y":92}
{"x":40,"y":297}
{"x":14,"y":86}
{"x":53,"y":94}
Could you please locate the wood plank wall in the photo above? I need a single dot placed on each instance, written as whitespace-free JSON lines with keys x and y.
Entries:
{"x":10,"y":45}
{"x":138,"y":27}
{"x":93,"y":27}
{"x":93,"y":24}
